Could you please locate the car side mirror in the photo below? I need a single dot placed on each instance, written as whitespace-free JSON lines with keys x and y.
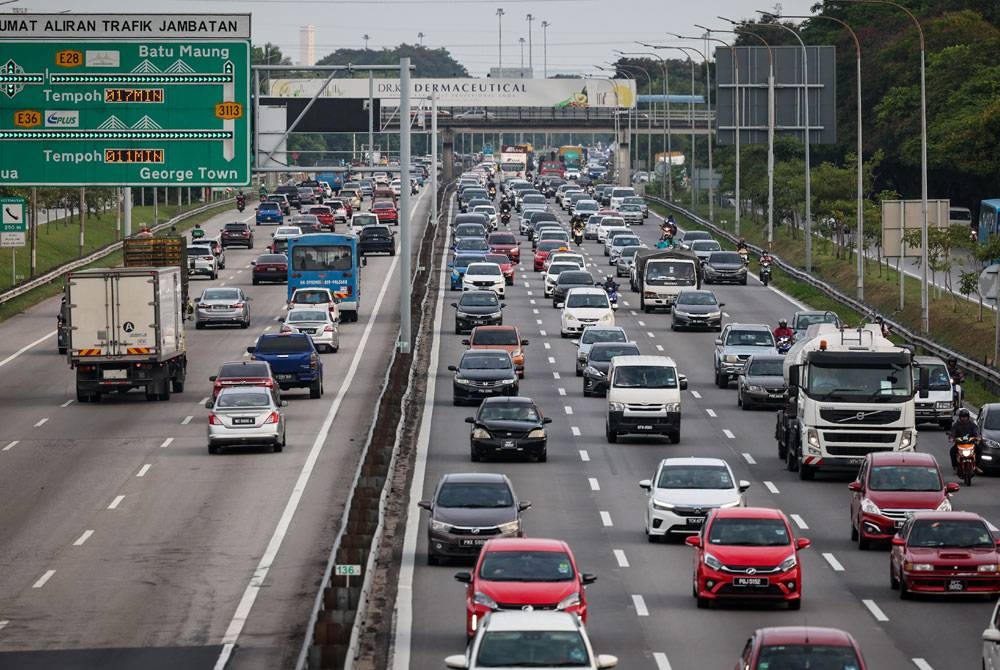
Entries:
{"x":991,"y":635}
{"x":470,"y":419}
{"x":547,"y":419}
{"x":213,"y":378}
{"x":454,"y":304}
{"x":522,"y":506}
{"x":250,"y":350}
{"x":693,"y":540}
{"x":209,"y":404}
{"x":802,"y":542}
{"x":646,"y":484}
{"x":560,"y":305}
{"x":466,"y":342}
{"x":855,"y":486}
{"x":744,"y":485}
{"x":253,"y":262}
{"x":606,"y":661}
{"x":464,"y":577}
{"x":722,"y":304}
{"x":284,"y":403}
{"x":952,"y":487}
{"x":898,"y":540}
{"x":524,"y":343}
{"x":588,"y":578}
{"x":452,"y":368}
{"x":683,"y":382}
{"x":424,"y":504}
{"x":718,"y":341}
{"x":364,"y":261}
{"x":458,"y":661}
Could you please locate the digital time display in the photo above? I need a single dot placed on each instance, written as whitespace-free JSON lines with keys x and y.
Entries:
{"x":133,"y":95}
{"x":133,"y":155}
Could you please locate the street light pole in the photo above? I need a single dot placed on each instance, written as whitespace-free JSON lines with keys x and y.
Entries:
{"x":365,"y":38}
{"x":666,"y":135}
{"x":545,"y":47}
{"x":708,"y":108}
{"x":500,"y":39}
{"x":736,"y":114}
{"x":531,"y":59}
{"x":649,"y":118}
{"x":521,"y":41}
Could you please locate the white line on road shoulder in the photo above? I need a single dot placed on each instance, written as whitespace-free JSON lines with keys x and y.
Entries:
{"x":534,"y":311}
{"x":728,"y":433}
{"x":875,"y":610}
{"x":749,"y":459}
{"x":640,"y":605}
{"x":922,"y":664}
{"x":771,"y":487}
{"x":116,"y":502}
{"x":83,"y":538}
{"x":710,"y":412}
{"x":584,"y":456}
{"x":11,"y":445}
{"x":661,"y":661}
{"x":41,"y":422}
{"x":696,"y":394}
{"x":594,"y":484}
{"x":26,"y":348}
{"x":166,"y":443}
{"x":532,"y":301}
{"x":68,"y":402}
{"x":186,"y":420}
{"x":143,"y":470}
{"x":203,"y":401}
{"x":606,"y":520}
{"x":834,"y":563}
{"x":650,"y":333}
{"x":546,"y":345}
{"x":555,"y":375}
{"x":642,"y":324}
{"x":3,"y":623}
{"x":619,"y":555}
{"x":799,"y":521}
{"x":543,"y":334}
{"x":44,"y":578}
{"x":659,"y":347}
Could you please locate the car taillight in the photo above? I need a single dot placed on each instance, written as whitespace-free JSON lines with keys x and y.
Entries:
{"x":272,"y":418}
{"x":236,"y":305}
{"x":245,"y":233}
{"x":286,"y":329}
{"x":214,"y":420}
{"x":313,"y":360}
{"x":328,"y":329}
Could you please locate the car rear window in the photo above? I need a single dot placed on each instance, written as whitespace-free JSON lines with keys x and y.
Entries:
{"x":311,"y":297}
{"x":241,"y":398}
{"x":236,"y":226}
{"x":284,"y":344}
{"x":272,"y":258}
{"x":230,"y":370}
{"x":501,"y":336}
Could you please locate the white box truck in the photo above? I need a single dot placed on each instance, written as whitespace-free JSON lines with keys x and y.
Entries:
{"x":126,"y":330}
{"x":660,"y":274}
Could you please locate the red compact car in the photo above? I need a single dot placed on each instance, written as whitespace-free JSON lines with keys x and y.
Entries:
{"x":747,"y":553}
{"x":544,"y":249}
{"x":890,"y":485}
{"x":506,"y":266}
{"x":944,"y":553}
{"x":386,"y":211}
{"x":800,"y":647}
{"x":512,"y":573}
{"x":244,"y":373}
{"x":505,"y":243}
{"x":324,"y":214}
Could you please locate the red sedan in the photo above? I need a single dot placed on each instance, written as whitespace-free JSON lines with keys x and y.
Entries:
{"x":325,"y":216}
{"x":505,"y":243}
{"x":545,"y":248}
{"x":270,"y":268}
{"x":386,"y":211}
{"x":944,"y":553}
{"x":800,"y":647}
{"x":747,"y":553}
{"x":512,"y":573}
{"x":506,"y":266}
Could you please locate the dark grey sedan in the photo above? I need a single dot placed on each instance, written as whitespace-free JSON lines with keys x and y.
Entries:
{"x":477,"y":308}
{"x":569,"y":279}
{"x":761,"y":384}
{"x":595,"y":371}
{"x":482,"y":373}
{"x":724,"y":267}
{"x":697,"y":309}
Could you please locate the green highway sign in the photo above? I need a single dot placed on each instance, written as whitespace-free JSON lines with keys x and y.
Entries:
{"x":167,"y":104}
{"x":13,"y":222}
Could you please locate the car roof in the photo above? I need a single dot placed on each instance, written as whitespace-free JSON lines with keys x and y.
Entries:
{"x":749,"y":326}
{"x":932,"y":515}
{"x":515,"y":620}
{"x":928,"y":360}
{"x":692,"y":460}
{"x":474,"y":478}
{"x":902,"y":458}
{"x":591,"y":290}
{"x":781,"y":635}
{"x":507,"y":400}
{"x":767,"y":357}
{"x":749,"y":513}
{"x":525,"y":543}
{"x":481,"y":329}
{"x":621,"y":361}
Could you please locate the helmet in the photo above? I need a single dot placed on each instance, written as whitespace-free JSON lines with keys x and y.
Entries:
{"x":963,"y":413}
{"x":783,"y":323}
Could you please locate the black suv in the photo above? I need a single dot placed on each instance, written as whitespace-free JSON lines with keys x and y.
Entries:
{"x":292,"y":193}
{"x":234,"y":234}
{"x":377,"y":239}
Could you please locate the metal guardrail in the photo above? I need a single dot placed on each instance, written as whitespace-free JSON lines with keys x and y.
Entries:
{"x":984,"y":372}
{"x":65,"y":268}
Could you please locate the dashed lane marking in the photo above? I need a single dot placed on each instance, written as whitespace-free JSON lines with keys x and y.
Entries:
{"x":659,"y":347}
{"x":166,"y":443}
{"x":621,"y":558}
{"x":552,"y":360}
{"x":543,"y":334}
{"x":41,"y":422}
{"x":532,"y":301}
{"x":534,"y":311}
{"x":834,"y":563}
{"x":3,"y":623}
{"x":116,"y":502}
{"x":68,"y":402}
{"x":568,"y":409}
{"x":538,"y":321}
{"x":642,"y":324}
{"x":771,"y":487}
{"x":584,"y":456}
{"x":696,"y":394}
{"x":725,"y":314}
{"x":11,"y":445}
{"x":83,"y":538}
{"x":632,"y":312}
{"x":186,"y":420}
{"x":650,"y":333}
{"x":143,"y":470}
{"x":594,"y":484}
{"x":203,"y":401}
{"x":640,"y":605}
{"x":562,"y":391}
{"x":799,"y":521}
{"x":555,"y":375}
{"x":606,"y":520}
{"x":546,"y":345}
{"x":749,"y":459}
{"x":661,"y":661}
{"x":728,"y":433}
{"x":710,"y":412}
{"x":44,"y":578}
{"x":575,"y":430}
{"x":922,"y":664}
{"x":875,"y":610}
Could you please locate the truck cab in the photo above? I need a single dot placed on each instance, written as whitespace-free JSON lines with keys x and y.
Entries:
{"x":660,"y":275}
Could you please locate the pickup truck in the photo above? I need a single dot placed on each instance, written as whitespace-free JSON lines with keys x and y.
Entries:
{"x":294,"y":361}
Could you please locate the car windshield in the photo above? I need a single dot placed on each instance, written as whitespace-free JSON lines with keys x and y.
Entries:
{"x":220,"y":294}
{"x":526,"y":566}
{"x":242,"y":370}
{"x":695,"y":477}
{"x":625,"y":241}
{"x":646,"y":377}
{"x":705,"y":245}
{"x":904,"y":478}
{"x":503,"y":336}
{"x":502,"y":238}
{"x":954,"y":533}
{"x":532,"y":649}
{"x":748,"y":532}
{"x":479,"y":299}
{"x":749,"y":338}
{"x":591,"y":300}
{"x":311,"y":297}
{"x":485,"y":362}
{"x":591,"y":335}
{"x":697,"y":298}
{"x":489,"y":495}
{"x":607,"y":352}
{"x":470,"y":230}
{"x":818,"y":656}
{"x":890,"y":383}
{"x":242,"y":398}
{"x":725,"y":257}
{"x":383,"y":204}
{"x":576,"y":277}
{"x":765,"y":368}
{"x":670,"y":272}
{"x":938,"y":378}
{"x":284,"y":344}
{"x":508,"y":411}
{"x":484,"y":269}
{"x":803,"y":321}
{"x":485,"y":209}
{"x":306,"y":315}
{"x":499,"y":259}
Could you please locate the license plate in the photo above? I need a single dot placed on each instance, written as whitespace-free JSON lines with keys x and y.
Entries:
{"x":272,"y":269}
{"x":956,"y":585}
{"x":775,"y":396}
{"x":695,"y":520}
{"x":219,"y":307}
{"x":508,"y":444}
{"x":856,"y":461}
{"x":115,"y":374}
{"x":243,"y":421}
{"x":750,"y":581}
{"x":284,"y":377}
{"x":644,"y":426}
{"x":478,"y":542}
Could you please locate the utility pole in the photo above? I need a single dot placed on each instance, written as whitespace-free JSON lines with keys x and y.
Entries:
{"x":500,"y":39}
{"x":531,"y":60}
{"x":545,"y":48}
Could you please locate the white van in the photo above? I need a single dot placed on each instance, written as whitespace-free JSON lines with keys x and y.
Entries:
{"x":939,"y":405}
{"x":619,"y":194}
{"x":644,"y":397}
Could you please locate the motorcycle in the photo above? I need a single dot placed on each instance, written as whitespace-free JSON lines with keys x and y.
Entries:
{"x":241,"y":203}
{"x":578,"y":236}
{"x":966,"y":461}
{"x":765,"y":272}
{"x":493,"y":192}
{"x":745,"y":255}
{"x":505,"y":217}
{"x":784,"y":343}
{"x":612,"y":291}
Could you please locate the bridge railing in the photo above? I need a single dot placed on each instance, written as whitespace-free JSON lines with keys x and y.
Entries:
{"x":645,"y":115}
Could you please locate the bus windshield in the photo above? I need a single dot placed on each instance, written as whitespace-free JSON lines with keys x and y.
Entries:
{"x":327,"y":257}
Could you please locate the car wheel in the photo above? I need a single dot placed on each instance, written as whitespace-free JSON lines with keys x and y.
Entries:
{"x":806,"y":473}
{"x":177,"y":385}
{"x":863,"y":542}
{"x":703,"y":603}
{"x":199,"y":325}
{"x":854,"y":532}
{"x":795,"y":605}
{"x":720,"y":380}
{"x":675,"y":436}
{"x":893,"y":582}
{"x":611,"y":436}
{"x":212,"y":449}
{"x":245,"y":324}
{"x":579,"y":371}
{"x":544,"y":456}
{"x":904,"y":593}
{"x":456,"y":402}
{"x":278,"y":446}
{"x":473,"y":455}
{"x":432,"y":559}
{"x":791,"y":461}
{"x":256,"y":281}
{"x":316,"y":389}
{"x":673,"y":326}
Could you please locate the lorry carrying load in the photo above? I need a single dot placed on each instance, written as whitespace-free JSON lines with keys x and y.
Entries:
{"x":659,"y":275}
{"x":158,"y":252}
{"x":850,"y":392}
{"x":125,"y":329}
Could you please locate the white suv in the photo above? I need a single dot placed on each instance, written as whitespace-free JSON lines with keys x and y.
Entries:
{"x":585,"y":307}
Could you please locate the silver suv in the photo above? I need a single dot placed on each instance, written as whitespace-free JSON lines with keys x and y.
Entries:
{"x":737,"y":343}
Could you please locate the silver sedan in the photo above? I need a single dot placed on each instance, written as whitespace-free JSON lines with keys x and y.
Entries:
{"x":245,"y":415}
{"x":317,"y":323}
{"x":222,"y":305}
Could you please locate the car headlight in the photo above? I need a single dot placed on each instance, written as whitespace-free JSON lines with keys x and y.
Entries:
{"x":788,"y":563}
{"x":440,"y":526}
{"x":988,"y":567}
{"x":616,"y":407}
{"x":507,"y":381}
{"x":678,"y":312}
{"x":593,"y":372}
{"x":944,"y":404}
{"x":481,"y":434}
{"x":945,"y":506}
{"x":662,"y":505}
{"x":753,"y":388}
{"x":462,"y":380}
{"x":812,"y":438}
{"x":734,"y":503}
{"x":918,"y":567}
{"x":607,"y":318}
{"x":510,"y":526}
{"x":714,"y":315}
{"x":573,"y":600}
{"x":712,"y":562}
{"x":731,"y":358}
{"x":570,"y":317}
{"x":480,"y":598}
{"x":907,"y":440}
{"x":494,"y":315}
{"x":869,"y":507}
{"x":673,"y":407}
{"x":537,"y":434}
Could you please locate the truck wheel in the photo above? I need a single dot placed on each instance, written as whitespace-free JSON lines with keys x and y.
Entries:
{"x":782,"y":450}
{"x":151,"y":396}
{"x":316,"y":389}
{"x":791,"y":460}
{"x":611,"y":436}
{"x":213,"y":450}
{"x":177,"y":385}
{"x":675,"y":436}
{"x":164,"y":394}
{"x":198,"y":325}
{"x":854,"y":532}
{"x":806,"y":473}
{"x":62,"y":352}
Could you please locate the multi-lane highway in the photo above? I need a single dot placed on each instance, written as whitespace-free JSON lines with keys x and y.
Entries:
{"x":641,"y":608}
{"x":126,"y":545}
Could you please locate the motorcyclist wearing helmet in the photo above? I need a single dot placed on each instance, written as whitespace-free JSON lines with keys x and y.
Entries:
{"x":783,"y":330}
{"x":609,"y":284}
{"x":963,"y":425}
{"x":742,"y":245}
{"x":957,"y":376}
{"x":765,"y":258}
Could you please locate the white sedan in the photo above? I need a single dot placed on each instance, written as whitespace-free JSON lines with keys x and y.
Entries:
{"x":609,"y":222}
{"x":585,"y":307}
{"x":484,"y":277}
{"x":286,"y":232}
{"x":317,"y":323}
{"x":684,"y":490}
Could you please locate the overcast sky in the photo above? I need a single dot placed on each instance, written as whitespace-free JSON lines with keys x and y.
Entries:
{"x":581,"y":33}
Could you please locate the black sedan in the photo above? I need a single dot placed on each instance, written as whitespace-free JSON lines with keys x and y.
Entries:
{"x":482,"y":373}
{"x":724,"y":267}
{"x":567,"y":280}
{"x":506,"y":426}
{"x":595,"y":370}
{"x":697,"y":309}
{"x":377,"y":239}
{"x":477,"y":308}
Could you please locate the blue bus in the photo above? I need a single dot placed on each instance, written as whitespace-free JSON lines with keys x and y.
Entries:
{"x":327,"y":260}
{"x":334,"y":176}
{"x":989,"y":219}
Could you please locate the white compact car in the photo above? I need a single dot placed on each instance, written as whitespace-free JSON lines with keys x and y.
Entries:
{"x":609,"y":222}
{"x":201,"y":261}
{"x":567,"y":257}
{"x":287,"y":232}
{"x":317,"y":323}
{"x":684,"y":490}
{"x":616,"y":241}
{"x":484,"y":277}
{"x":491,"y":213}
{"x":585,"y":307}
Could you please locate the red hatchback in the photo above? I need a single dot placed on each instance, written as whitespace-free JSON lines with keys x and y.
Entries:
{"x":747,"y":553}
{"x":506,"y":266}
{"x":505,"y":243}
{"x":944,"y":553}
{"x":512,"y":573}
{"x":325,"y":216}
{"x":800,"y":647}
{"x":386,"y":211}
{"x":890,"y":485}
{"x":544,"y":249}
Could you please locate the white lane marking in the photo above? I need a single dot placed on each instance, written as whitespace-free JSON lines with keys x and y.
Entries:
{"x":552,"y":360}
{"x":267,"y":328}
{"x":771,"y":487}
{"x":834,"y":563}
{"x":543,"y":334}
{"x":3,"y":623}
{"x":640,"y":605}
{"x":875,"y":610}
{"x":116,"y":502}
{"x":186,"y":420}
{"x":11,"y":445}
{"x":632,"y":312}
{"x":44,"y":578}
{"x":594,"y":484}
{"x":650,"y":333}
{"x":166,"y":443}
{"x":922,"y":664}
{"x":26,"y":348}
{"x":696,"y":394}
{"x":584,"y":456}
{"x":728,"y":433}
{"x":606,"y":520}
{"x":575,"y":430}
{"x":246,"y":354}
{"x":799,"y":521}
{"x":538,"y":321}
{"x":41,"y":422}
{"x":555,"y":375}
{"x":68,"y":402}
{"x":203,"y":401}
{"x":529,"y":292}
{"x":532,"y":301}
{"x":625,"y":302}
{"x":725,"y":314}
{"x":749,"y":459}
{"x":143,"y":470}
{"x":661,"y":661}
{"x":83,"y":538}
{"x":710,"y":412}
{"x":659,"y":347}
{"x":568,"y":409}
{"x":562,"y":391}
{"x":546,"y":345}
{"x":534,"y":311}
{"x":642,"y":324}
{"x":527,"y":285}
{"x":621,"y":558}
{"x":222,"y":283}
